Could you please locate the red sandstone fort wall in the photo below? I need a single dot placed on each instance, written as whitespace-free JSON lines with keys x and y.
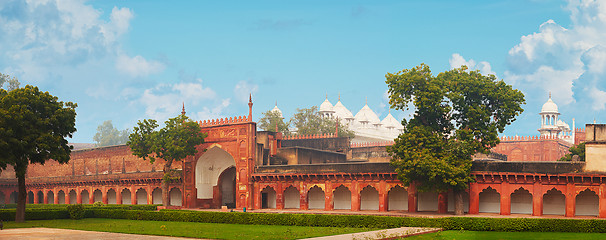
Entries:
{"x":96,"y":161}
{"x":533,"y":149}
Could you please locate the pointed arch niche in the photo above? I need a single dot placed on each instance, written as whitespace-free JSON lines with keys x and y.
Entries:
{"x":216,"y":176}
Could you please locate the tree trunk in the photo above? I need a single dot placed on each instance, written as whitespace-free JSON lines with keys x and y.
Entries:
{"x":458,"y":202}
{"x":21,"y":199}
{"x":165,"y":190}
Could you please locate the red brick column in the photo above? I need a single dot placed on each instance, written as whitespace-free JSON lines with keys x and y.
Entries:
{"x":443,"y":202}
{"x":67,"y":199}
{"x":474,"y":198}
{"x":537,"y":200}
{"x":35,"y":192}
{"x":383,"y":197}
{"x":45,"y":196}
{"x":149,"y":195}
{"x":91,"y":195}
{"x":7,"y":197}
{"x":78,"y":196}
{"x":118,"y":195}
{"x":602,"y":201}
{"x":355,"y":196}
{"x":505,"y":199}
{"x":570,"y":200}
{"x":133,"y":196}
{"x":304,"y":205}
{"x":412,"y":198}
{"x":56,"y":196}
{"x":279,"y":196}
{"x":257,"y":197}
{"x":328,"y":197}
{"x":104,"y":194}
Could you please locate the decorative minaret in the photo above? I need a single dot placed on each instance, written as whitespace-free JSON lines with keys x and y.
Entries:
{"x":549,"y":119}
{"x":250,"y":108}
{"x":183,"y":110}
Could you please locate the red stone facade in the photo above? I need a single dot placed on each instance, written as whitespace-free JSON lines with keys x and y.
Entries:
{"x":532,"y":149}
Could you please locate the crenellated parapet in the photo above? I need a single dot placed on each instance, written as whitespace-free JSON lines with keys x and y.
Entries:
{"x":533,"y":138}
{"x":372,"y":144}
{"x":224,"y":121}
{"x":309,"y":136}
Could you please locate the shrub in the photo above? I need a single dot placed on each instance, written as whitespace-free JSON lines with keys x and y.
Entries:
{"x":35,"y":214}
{"x":98,"y":204}
{"x":76,"y":211}
{"x":447,"y":223}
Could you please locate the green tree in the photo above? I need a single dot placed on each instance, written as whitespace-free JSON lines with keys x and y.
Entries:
{"x":578,"y":149}
{"x":34,"y":126}
{"x":13,"y":82}
{"x":309,"y":121}
{"x":176,"y":141}
{"x":457,"y":114}
{"x":271,"y":119}
{"x":108,"y":135}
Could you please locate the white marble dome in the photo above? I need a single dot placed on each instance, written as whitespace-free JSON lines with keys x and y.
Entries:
{"x":277,"y":110}
{"x":367,"y":114}
{"x":549,"y":107}
{"x":326,"y":107}
{"x":341,"y":111}
{"x":391,"y":122}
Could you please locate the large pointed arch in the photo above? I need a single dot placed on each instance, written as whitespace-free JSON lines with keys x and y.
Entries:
{"x":214,"y":175}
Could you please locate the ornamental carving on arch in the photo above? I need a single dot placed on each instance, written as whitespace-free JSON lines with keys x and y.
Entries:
{"x":320,"y":185}
{"x":389,"y":187}
{"x":580,"y":189}
{"x":230,"y":132}
{"x":286,"y":186}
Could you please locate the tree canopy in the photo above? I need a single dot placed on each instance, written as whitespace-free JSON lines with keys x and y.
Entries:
{"x":457,"y":114}
{"x":578,"y":150}
{"x":108,"y":135}
{"x":271,"y":119}
{"x":33,"y":128}
{"x":309,"y":121}
{"x":174,"y":142}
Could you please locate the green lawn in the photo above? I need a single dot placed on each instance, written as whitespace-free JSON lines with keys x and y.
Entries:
{"x":188,"y":229}
{"x":461,"y":235}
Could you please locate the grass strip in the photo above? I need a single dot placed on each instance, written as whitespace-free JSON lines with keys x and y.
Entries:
{"x":462,"y":235}
{"x":188,"y":229}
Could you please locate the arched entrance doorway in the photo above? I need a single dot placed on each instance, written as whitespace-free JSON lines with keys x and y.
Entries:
{"x":227,"y":187}
{"x":216,"y":179}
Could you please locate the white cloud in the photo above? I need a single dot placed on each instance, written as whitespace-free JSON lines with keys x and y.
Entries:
{"x":243,"y":89}
{"x":599,"y":99}
{"x":456,"y":61}
{"x":569,"y":62}
{"x":138,"y":66}
{"x":165,"y":101}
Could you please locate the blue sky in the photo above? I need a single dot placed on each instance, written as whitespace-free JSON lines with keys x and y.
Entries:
{"x":129,"y":60}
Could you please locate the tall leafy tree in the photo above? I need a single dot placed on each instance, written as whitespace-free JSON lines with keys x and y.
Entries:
{"x":309,"y":121}
{"x":272,"y":120}
{"x":108,"y":135}
{"x":457,"y":114}
{"x":174,"y":142}
{"x":33,"y":128}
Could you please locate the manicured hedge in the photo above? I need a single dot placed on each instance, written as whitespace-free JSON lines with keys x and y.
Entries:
{"x":64,"y":206}
{"x":447,"y":223}
{"x":323,"y":220}
{"x":35,"y":214}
